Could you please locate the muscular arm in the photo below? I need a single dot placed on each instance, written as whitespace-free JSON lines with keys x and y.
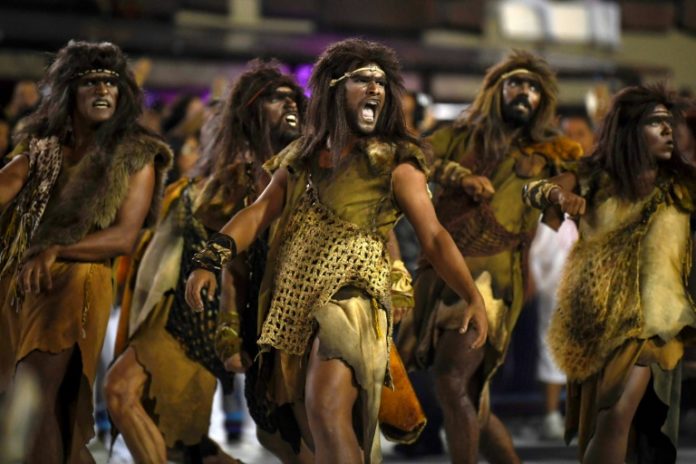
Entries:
{"x":437,"y":244}
{"x":247,"y":225}
{"x":120,"y":237}
{"x":244,"y":228}
{"x":12,"y":178}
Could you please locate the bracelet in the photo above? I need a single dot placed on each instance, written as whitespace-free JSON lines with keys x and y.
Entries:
{"x":227,"y":340}
{"x":537,"y":193}
{"x":451,"y":173}
{"x":219,"y":250}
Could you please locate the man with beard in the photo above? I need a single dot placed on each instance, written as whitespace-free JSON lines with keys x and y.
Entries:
{"x":160,"y":389}
{"x":325,"y":306}
{"x":482,"y":162}
{"x":85,"y":178}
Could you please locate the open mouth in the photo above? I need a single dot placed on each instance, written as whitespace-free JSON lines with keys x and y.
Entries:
{"x":291,"y":119}
{"x":522,"y":106}
{"x":369,"y":111}
{"x":101,"y":104}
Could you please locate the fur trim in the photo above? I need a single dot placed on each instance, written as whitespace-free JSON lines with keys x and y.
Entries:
{"x":559,"y":149}
{"x":89,"y":197}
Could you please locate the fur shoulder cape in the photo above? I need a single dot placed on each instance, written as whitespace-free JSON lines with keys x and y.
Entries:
{"x":90,"y":197}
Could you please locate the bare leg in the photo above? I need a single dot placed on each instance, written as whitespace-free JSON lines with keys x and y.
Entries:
{"x":282,"y":450}
{"x":552,"y":396}
{"x":610,"y":440}
{"x":496,"y":443}
{"x":50,"y":370}
{"x":457,"y":389}
{"x":123,"y":388}
{"x":330,"y":395}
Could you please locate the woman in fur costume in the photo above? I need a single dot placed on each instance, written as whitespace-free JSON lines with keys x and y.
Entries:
{"x":325,"y":306}
{"x":84,"y":180}
{"x":624,"y":313}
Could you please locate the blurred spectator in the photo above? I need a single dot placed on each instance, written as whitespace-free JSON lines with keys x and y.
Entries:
{"x":419,"y":118}
{"x":25,"y":97}
{"x":152,"y":117}
{"x":597,"y":102}
{"x":578,"y":127}
{"x":546,"y":260}
{"x":181,"y":127}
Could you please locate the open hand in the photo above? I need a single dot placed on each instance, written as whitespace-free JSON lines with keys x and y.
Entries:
{"x":475,"y":318}
{"x":35,"y":274}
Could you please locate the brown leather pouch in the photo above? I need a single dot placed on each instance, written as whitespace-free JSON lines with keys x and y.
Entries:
{"x":401,"y":416}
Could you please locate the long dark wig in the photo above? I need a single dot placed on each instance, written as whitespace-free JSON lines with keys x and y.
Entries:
{"x":52,"y":117}
{"x":490,"y":136}
{"x":621,"y":151}
{"x":240,"y":125}
{"x":326,"y":115}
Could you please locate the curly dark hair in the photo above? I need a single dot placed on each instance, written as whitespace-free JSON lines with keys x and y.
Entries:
{"x":240,"y":125}
{"x":621,"y":151}
{"x":326,"y":115}
{"x":490,"y":138}
{"x":52,"y":117}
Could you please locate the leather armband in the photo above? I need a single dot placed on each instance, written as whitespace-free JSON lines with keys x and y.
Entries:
{"x":216,"y":254}
{"x":537,"y":194}
{"x":450,"y":173}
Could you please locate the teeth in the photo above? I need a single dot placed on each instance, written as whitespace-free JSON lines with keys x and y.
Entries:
{"x":291,"y":119}
{"x":368,"y":114}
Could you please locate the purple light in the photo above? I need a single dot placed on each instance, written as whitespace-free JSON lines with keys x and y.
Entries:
{"x":302,"y":74}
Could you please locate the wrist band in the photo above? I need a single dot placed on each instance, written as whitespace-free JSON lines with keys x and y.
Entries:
{"x":537,"y":194}
{"x":216,"y":254}
{"x":451,"y":173}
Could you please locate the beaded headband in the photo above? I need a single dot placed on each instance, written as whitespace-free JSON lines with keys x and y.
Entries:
{"x":373,"y":68}
{"x":96,"y":71}
{"x":514,"y":72}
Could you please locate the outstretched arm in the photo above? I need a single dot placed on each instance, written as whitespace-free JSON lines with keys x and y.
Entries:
{"x":411,"y":193}
{"x":12,"y":178}
{"x":247,"y":225}
{"x":117,"y":239}
{"x":243,"y":228}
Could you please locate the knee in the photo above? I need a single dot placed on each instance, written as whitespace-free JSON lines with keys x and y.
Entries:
{"x":448,"y":385}
{"x":120,"y":393}
{"x":453,"y":392}
{"x":328,"y":413}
